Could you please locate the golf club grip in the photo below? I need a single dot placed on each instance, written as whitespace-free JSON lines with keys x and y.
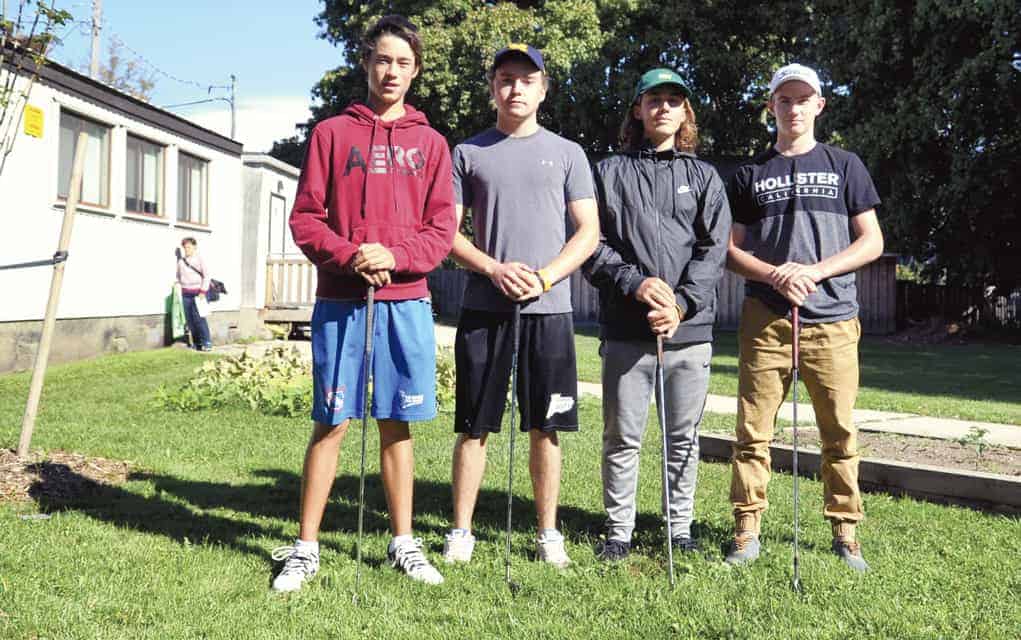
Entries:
{"x":370,"y":304}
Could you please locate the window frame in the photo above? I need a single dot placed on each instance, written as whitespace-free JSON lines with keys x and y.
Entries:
{"x":203,"y":220}
{"x":160,"y":176}
{"x":108,"y":159}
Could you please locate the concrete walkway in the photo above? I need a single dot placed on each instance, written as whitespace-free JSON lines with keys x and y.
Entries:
{"x":908,"y":424}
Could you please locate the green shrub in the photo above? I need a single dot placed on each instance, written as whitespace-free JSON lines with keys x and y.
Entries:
{"x":445,"y":380}
{"x":278,"y":383}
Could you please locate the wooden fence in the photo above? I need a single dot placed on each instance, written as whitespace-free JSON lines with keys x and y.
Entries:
{"x":290,"y":283}
{"x":973,"y":305}
{"x":877,"y":295}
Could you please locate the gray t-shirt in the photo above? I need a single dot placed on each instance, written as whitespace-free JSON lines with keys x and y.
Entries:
{"x":799,"y":208}
{"x":518,"y":190}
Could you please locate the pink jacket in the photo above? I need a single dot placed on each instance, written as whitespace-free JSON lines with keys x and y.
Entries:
{"x":189,"y":279}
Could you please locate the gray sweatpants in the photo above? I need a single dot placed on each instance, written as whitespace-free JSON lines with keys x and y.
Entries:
{"x":629,"y":379}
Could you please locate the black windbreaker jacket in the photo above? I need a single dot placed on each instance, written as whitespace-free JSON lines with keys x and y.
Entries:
{"x":662,"y":214}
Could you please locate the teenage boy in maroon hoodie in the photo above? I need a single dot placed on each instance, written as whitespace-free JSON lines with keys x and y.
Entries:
{"x":375,"y":207}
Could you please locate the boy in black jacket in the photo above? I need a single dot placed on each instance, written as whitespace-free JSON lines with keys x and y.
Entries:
{"x":665,"y":222}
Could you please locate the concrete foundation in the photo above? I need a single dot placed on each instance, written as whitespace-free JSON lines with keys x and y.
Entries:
{"x":79,"y":338}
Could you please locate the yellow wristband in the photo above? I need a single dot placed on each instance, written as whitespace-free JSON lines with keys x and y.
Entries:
{"x":544,"y":279}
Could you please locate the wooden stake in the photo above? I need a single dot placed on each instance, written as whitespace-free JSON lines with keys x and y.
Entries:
{"x":35,"y":389}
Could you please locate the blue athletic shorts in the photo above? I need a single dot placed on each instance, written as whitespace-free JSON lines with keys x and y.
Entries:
{"x":403,"y":360}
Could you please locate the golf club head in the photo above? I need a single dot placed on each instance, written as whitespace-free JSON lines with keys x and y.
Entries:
{"x":514,"y":587}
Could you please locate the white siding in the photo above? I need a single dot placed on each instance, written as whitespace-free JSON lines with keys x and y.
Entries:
{"x":120,"y":264}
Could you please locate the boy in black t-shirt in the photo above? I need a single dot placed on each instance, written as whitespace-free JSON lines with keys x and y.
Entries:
{"x":804,"y":221}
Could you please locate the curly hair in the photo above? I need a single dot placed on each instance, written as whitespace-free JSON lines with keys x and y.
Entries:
{"x":632,"y":131}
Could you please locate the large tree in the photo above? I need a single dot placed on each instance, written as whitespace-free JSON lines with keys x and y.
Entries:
{"x":461,"y":37}
{"x":927,"y":95}
{"x":924,"y":91}
{"x":595,"y":51}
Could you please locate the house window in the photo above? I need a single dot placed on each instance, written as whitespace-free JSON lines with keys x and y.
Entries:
{"x":96,"y":169}
{"x":144,"y":173}
{"x":191,"y":189}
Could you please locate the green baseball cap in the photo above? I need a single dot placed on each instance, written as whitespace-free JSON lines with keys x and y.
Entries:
{"x":657,"y":77}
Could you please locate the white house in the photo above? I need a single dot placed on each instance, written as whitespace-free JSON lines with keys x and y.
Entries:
{"x":151,"y":178}
{"x":269,"y":188}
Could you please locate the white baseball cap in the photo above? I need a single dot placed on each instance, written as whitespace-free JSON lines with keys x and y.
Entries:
{"x":795,"y":72}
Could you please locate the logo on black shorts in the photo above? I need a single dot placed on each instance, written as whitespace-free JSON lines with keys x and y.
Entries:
{"x":559,"y":404}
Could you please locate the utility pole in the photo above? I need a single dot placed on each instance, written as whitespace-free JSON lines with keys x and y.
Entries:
{"x":97,"y":17}
{"x":231,"y":100}
{"x":233,"y":107}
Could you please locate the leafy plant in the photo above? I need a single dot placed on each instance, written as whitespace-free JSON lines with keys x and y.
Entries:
{"x":276,"y":383}
{"x":446,"y":379}
{"x":976,"y":437}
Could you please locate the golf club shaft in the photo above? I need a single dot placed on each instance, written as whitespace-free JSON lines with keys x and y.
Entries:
{"x":516,"y":338}
{"x":795,"y":358}
{"x":661,"y":409}
{"x":366,"y":385}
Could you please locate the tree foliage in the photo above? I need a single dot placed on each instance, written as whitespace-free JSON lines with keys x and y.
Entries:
{"x":26,"y":35}
{"x":924,"y":91}
{"x":125,"y":72}
{"x":927,"y":95}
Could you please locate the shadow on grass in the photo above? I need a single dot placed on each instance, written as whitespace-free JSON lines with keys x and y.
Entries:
{"x":179,"y":510}
{"x":146,"y":514}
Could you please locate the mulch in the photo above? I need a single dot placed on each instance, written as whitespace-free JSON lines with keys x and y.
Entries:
{"x":929,"y":451}
{"x":57,"y":476}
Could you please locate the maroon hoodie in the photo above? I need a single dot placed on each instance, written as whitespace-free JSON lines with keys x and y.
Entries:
{"x":366,"y":180}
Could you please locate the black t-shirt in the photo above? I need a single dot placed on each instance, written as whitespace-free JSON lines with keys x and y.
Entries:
{"x":799,"y":209}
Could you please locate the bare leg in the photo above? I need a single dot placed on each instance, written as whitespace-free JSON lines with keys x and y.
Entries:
{"x":397,"y":461}
{"x":318,"y":475}
{"x":544,"y":465}
{"x":469,"y":465}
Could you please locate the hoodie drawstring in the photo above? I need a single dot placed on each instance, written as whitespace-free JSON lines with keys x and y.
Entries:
{"x":390,"y":145}
{"x":365,"y":177}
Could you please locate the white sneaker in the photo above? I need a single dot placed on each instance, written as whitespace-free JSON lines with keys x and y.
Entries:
{"x":550,"y":548}
{"x":408,"y":557}
{"x":299,"y":565}
{"x":458,"y":547}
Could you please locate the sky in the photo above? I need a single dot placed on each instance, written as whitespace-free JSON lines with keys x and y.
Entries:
{"x":270,"y":46}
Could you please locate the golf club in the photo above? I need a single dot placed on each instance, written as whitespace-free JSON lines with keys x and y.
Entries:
{"x":516,"y":333}
{"x":796,"y":329}
{"x":366,"y":384}
{"x":661,"y":409}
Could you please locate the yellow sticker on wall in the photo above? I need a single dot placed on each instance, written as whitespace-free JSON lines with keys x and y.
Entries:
{"x":33,"y":121}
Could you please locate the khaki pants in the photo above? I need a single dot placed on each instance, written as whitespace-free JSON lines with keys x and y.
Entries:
{"x":829,"y":369}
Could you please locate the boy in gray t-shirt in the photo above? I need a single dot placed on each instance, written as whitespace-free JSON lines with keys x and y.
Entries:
{"x":522,"y":183}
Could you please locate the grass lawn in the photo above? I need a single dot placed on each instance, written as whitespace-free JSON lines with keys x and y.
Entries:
{"x":968,"y":382}
{"x":182,"y":549}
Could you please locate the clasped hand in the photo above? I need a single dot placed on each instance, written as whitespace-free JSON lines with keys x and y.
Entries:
{"x":665,"y":317}
{"x":795,"y":281}
{"x":373,"y":262}
{"x":517,"y":281}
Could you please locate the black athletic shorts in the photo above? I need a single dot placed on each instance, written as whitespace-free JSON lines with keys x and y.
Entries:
{"x":547,"y":372}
